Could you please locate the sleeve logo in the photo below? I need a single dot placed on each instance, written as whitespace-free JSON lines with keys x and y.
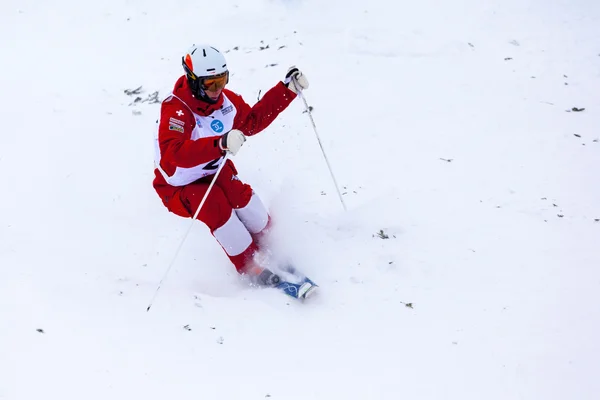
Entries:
{"x":178,"y":128}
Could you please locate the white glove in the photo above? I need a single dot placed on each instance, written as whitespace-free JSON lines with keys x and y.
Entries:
{"x":295,"y":80}
{"x":232,"y":141}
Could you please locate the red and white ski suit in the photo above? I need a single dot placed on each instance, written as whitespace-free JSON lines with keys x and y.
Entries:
{"x":187,"y":155}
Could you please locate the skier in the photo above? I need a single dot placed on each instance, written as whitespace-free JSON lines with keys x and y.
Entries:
{"x":201,"y":121}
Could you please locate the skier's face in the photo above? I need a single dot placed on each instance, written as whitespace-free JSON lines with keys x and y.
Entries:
{"x":214,"y":94}
{"x":213,"y":86}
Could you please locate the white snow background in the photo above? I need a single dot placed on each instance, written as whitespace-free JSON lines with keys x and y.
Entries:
{"x":449,"y":127}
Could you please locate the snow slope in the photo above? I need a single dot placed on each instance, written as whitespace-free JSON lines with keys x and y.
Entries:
{"x":449,"y":126}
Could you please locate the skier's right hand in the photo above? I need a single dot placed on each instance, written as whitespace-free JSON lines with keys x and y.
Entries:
{"x":232,"y":141}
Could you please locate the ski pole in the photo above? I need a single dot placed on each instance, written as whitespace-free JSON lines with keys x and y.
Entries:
{"x":321,"y":145}
{"x":188,"y":231}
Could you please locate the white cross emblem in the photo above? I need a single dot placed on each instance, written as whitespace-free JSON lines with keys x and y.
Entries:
{"x":179,"y":113}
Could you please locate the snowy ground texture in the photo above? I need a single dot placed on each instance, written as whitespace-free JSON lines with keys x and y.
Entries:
{"x":465,"y":136}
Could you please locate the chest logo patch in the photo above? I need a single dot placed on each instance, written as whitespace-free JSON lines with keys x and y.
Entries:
{"x":217,"y":126}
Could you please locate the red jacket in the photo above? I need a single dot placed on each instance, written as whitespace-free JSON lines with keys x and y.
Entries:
{"x":186,"y":147}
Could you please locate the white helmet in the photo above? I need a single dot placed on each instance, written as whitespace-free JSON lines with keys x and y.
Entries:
{"x":206,"y":69}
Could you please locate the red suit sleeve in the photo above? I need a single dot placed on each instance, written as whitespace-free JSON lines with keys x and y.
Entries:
{"x":174,"y":138}
{"x":251,"y":120}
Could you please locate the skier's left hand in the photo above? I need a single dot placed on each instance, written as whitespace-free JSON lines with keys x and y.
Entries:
{"x":232,"y":141}
{"x":295,"y":80}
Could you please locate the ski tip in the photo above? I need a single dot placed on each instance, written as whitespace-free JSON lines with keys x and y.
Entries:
{"x":311,"y":292}
{"x":307,"y":290}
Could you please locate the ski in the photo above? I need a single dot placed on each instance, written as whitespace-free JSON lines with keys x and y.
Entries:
{"x":301,"y":290}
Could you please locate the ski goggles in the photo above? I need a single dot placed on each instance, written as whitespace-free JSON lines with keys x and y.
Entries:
{"x":214,"y":83}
